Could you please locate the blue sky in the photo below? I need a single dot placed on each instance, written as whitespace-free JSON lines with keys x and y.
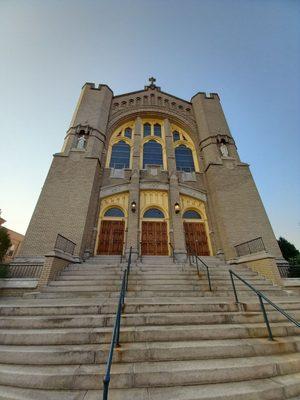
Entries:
{"x":247,"y":51}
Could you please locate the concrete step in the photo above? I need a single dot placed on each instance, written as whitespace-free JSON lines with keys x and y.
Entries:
{"x":140,"y":319}
{"x":275,"y":388}
{"x":149,"y":374}
{"x":145,"y":351}
{"x":77,"y":305}
{"x":146,"y":294}
{"x":155,"y":275}
{"x":150,"y":333}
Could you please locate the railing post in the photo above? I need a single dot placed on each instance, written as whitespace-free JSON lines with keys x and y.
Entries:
{"x":197,"y":264}
{"x":234,"y":289}
{"x":208,"y":276}
{"x":105,"y":388}
{"x":265,"y":317}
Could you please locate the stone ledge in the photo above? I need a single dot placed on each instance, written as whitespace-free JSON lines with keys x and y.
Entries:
{"x":18,"y":283}
{"x":63,"y":256}
{"x":251,"y":257}
{"x":291,"y":282}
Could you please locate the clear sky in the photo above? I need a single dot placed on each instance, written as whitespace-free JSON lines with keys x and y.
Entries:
{"x":247,"y":51}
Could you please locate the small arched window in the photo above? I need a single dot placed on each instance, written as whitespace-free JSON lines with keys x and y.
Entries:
{"x":114,"y":212}
{"x":184,"y":159}
{"x":191,"y":214}
{"x":120,"y":155}
{"x":128,"y":133}
{"x":176,"y":136}
{"x":147,"y":129}
{"x":157,"y":130}
{"x":152,"y":154}
{"x":153,"y":213}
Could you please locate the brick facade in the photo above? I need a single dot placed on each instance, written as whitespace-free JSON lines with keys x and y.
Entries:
{"x":70,"y":201}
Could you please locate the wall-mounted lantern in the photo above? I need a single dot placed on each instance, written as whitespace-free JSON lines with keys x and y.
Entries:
{"x":133,"y":206}
{"x":177,"y":208}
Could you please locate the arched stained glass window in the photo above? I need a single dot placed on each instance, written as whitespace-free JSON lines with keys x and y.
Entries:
{"x":153,"y":213}
{"x":120,"y":155}
{"x":176,"y":136}
{"x":157,"y":130}
{"x":147,"y":129}
{"x":152,"y":154}
{"x":184,"y":159}
{"x":191,"y":214}
{"x":114,"y":212}
{"x":128,"y":133}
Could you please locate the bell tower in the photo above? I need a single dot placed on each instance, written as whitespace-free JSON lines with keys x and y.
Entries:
{"x":69,"y":199}
{"x":237,"y":208}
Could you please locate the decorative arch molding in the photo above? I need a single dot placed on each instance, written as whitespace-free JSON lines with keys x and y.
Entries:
{"x":154,"y":199}
{"x":119,"y":200}
{"x":189,"y":203}
{"x":154,"y":186}
{"x":186,"y":191}
{"x":113,"y":190}
{"x":151,"y":98}
{"x":120,"y":135}
{"x":188,"y":125}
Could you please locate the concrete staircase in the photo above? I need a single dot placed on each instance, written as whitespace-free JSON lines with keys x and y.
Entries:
{"x":178,"y":340}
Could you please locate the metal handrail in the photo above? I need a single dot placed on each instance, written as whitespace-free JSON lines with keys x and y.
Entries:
{"x":203,"y":265}
{"x":64,"y":244}
{"x":122,"y":254}
{"x":262,"y":297}
{"x":173,"y":251}
{"x":115,"y":341}
{"x":250,"y":247}
{"x":141,"y":255}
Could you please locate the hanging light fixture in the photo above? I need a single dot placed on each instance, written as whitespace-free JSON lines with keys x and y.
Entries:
{"x":177,"y":208}
{"x":133,"y":206}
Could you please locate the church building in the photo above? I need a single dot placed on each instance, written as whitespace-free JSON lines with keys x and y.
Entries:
{"x":154,"y":172}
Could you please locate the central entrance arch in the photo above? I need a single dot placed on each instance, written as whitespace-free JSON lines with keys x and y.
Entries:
{"x":154,"y":233}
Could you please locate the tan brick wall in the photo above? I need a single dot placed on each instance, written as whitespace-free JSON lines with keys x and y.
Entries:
{"x":238,"y":209}
{"x":51,"y":269}
{"x":65,"y":205}
{"x":14,"y":292}
{"x":267,"y":268}
{"x":237,"y":212}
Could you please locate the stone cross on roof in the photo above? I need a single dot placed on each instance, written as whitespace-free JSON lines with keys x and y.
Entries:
{"x":152,"y":80}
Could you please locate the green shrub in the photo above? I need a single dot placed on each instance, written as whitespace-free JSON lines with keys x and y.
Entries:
{"x":3,"y":270}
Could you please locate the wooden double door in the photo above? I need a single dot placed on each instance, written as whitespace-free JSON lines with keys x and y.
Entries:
{"x":111,"y":237}
{"x":154,"y":238}
{"x":195,"y":238}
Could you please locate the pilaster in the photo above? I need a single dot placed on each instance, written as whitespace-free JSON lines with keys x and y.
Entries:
{"x":176,"y":225}
{"x":133,"y":234}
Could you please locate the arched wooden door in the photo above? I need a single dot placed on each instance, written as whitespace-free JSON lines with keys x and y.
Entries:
{"x":195,"y":234}
{"x":111,"y":235}
{"x":154,"y":234}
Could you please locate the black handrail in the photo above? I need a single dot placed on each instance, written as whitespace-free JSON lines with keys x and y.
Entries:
{"x":115,"y":341}
{"x":173,"y":252}
{"x":203,"y":265}
{"x":262,"y":297}
{"x":141,"y":255}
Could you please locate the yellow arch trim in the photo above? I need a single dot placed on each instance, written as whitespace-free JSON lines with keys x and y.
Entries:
{"x":115,"y":139}
{"x":119,"y":200}
{"x":188,"y":143}
{"x":193,"y":219}
{"x":155,"y":199}
{"x":158,"y":140}
{"x":190,"y":203}
{"x":158,"y":208}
